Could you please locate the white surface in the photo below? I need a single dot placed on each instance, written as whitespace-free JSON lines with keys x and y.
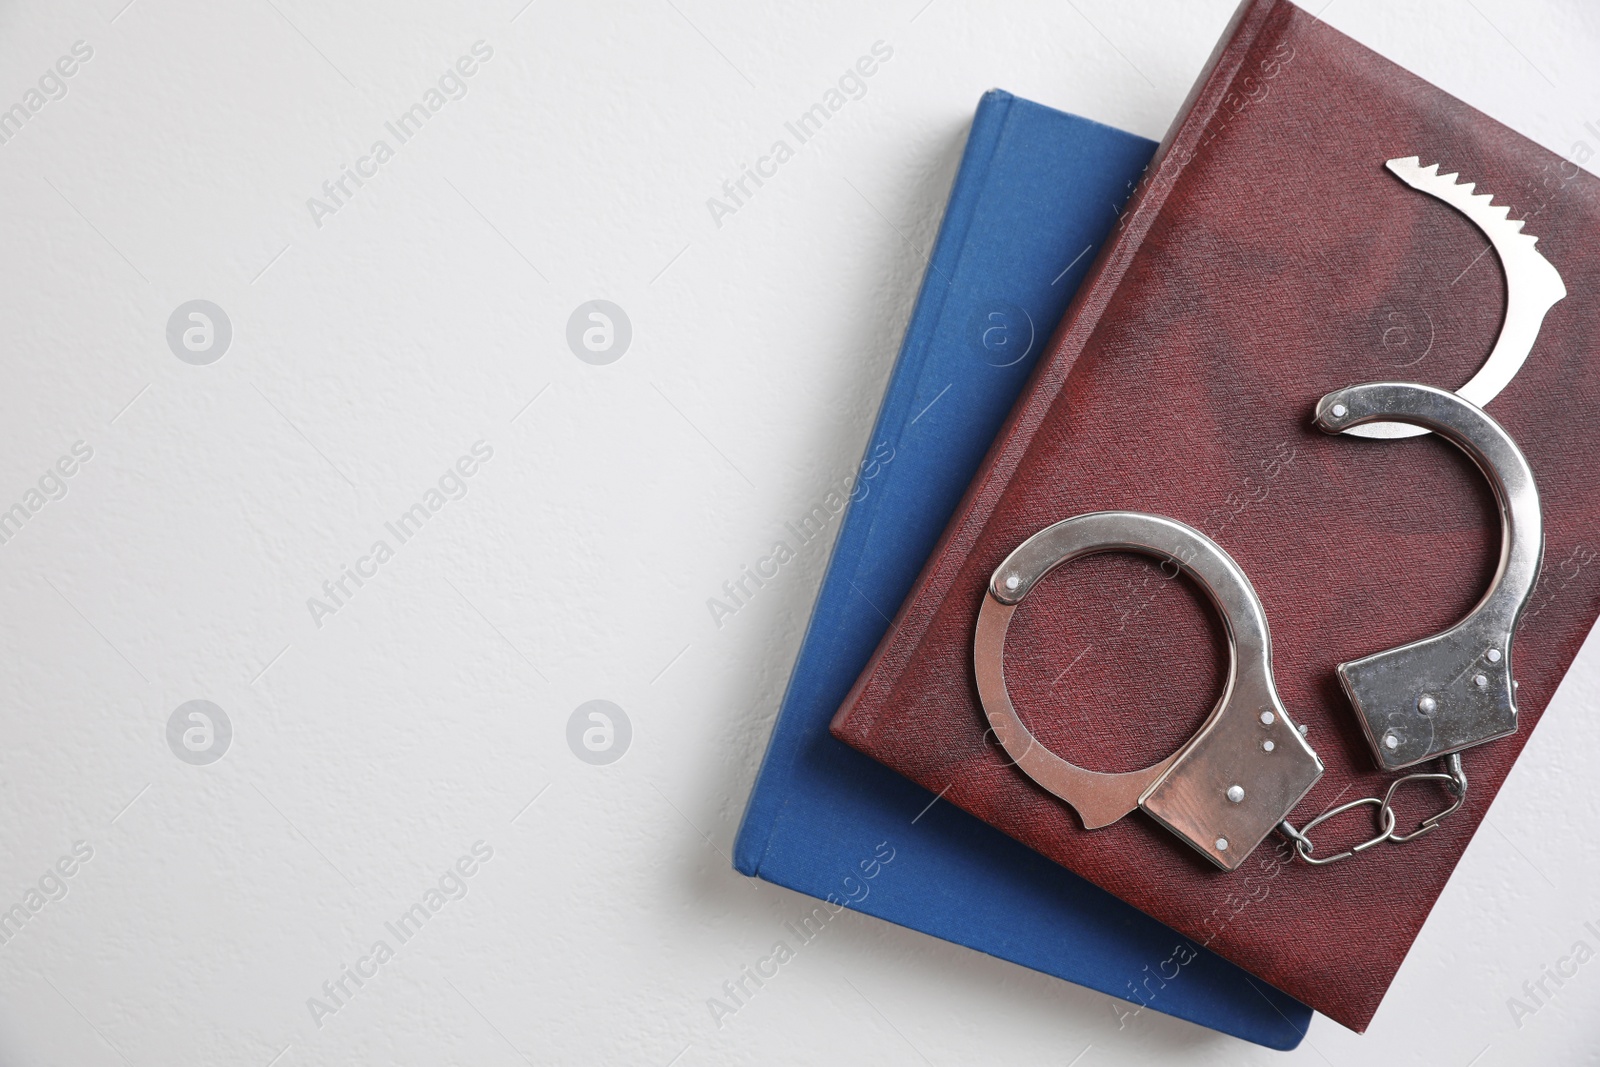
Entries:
{"x":429,"y":711}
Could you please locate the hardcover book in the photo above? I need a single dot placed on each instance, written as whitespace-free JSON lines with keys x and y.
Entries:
{"x":1032,"y":201}
{"x":1268,"y":257}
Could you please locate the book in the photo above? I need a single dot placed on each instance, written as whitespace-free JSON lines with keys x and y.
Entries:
{"x":1267,"y":258}
{"x":1036,"y":193}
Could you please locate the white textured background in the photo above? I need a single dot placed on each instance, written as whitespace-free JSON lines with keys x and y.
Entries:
{"x":425,"y":715}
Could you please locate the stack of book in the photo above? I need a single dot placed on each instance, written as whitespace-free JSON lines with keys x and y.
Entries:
{"x":1110,"y":324}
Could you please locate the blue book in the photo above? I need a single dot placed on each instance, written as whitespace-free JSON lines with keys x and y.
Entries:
{"x":1037,"y":193}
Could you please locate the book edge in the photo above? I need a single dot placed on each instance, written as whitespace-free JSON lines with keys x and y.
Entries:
{"x":763,"y":808}
{"x":856,"y":715}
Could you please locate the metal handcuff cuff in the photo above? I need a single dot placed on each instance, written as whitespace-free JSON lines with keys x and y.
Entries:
{"x":1248,"y":766}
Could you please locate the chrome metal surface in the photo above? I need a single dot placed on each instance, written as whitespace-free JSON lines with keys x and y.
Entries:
{"x":1302,"y":837}
{"x":1189,"y":792}
{"x":1533,"y":286}
{"x":1455,"y":780}
{"x":1453,"y":690}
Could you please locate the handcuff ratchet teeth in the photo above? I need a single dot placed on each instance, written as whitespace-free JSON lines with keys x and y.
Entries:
{"x":1533,"y":285}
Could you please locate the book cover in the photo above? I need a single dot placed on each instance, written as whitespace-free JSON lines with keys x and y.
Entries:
{"x":1267,"y":258}
{"x":1036,"y":194}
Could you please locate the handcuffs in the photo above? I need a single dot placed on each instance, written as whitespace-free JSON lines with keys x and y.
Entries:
{"x":1247,"y":767}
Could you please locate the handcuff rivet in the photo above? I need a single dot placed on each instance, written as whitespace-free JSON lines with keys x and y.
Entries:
{"x":1304,"y":729}
{"x":1493,"y":655}
{"x":1427,"y":704}
{"x":1267,"y":746}
{"x":1391,"y":741}
{"x":1188,"y":791}
{"x":1480,"y":680}
{"x":1339,"y":411}
{"x":1012,"y":581}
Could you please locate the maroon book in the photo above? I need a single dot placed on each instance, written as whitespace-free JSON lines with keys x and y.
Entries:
{"x":1268,"y":258}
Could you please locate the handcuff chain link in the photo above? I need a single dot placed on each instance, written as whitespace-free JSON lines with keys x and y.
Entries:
{"x":1454,"y":779}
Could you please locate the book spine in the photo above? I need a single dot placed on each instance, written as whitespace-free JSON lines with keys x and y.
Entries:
{"x":772,"y":780}
{"x":1185,"y":141}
